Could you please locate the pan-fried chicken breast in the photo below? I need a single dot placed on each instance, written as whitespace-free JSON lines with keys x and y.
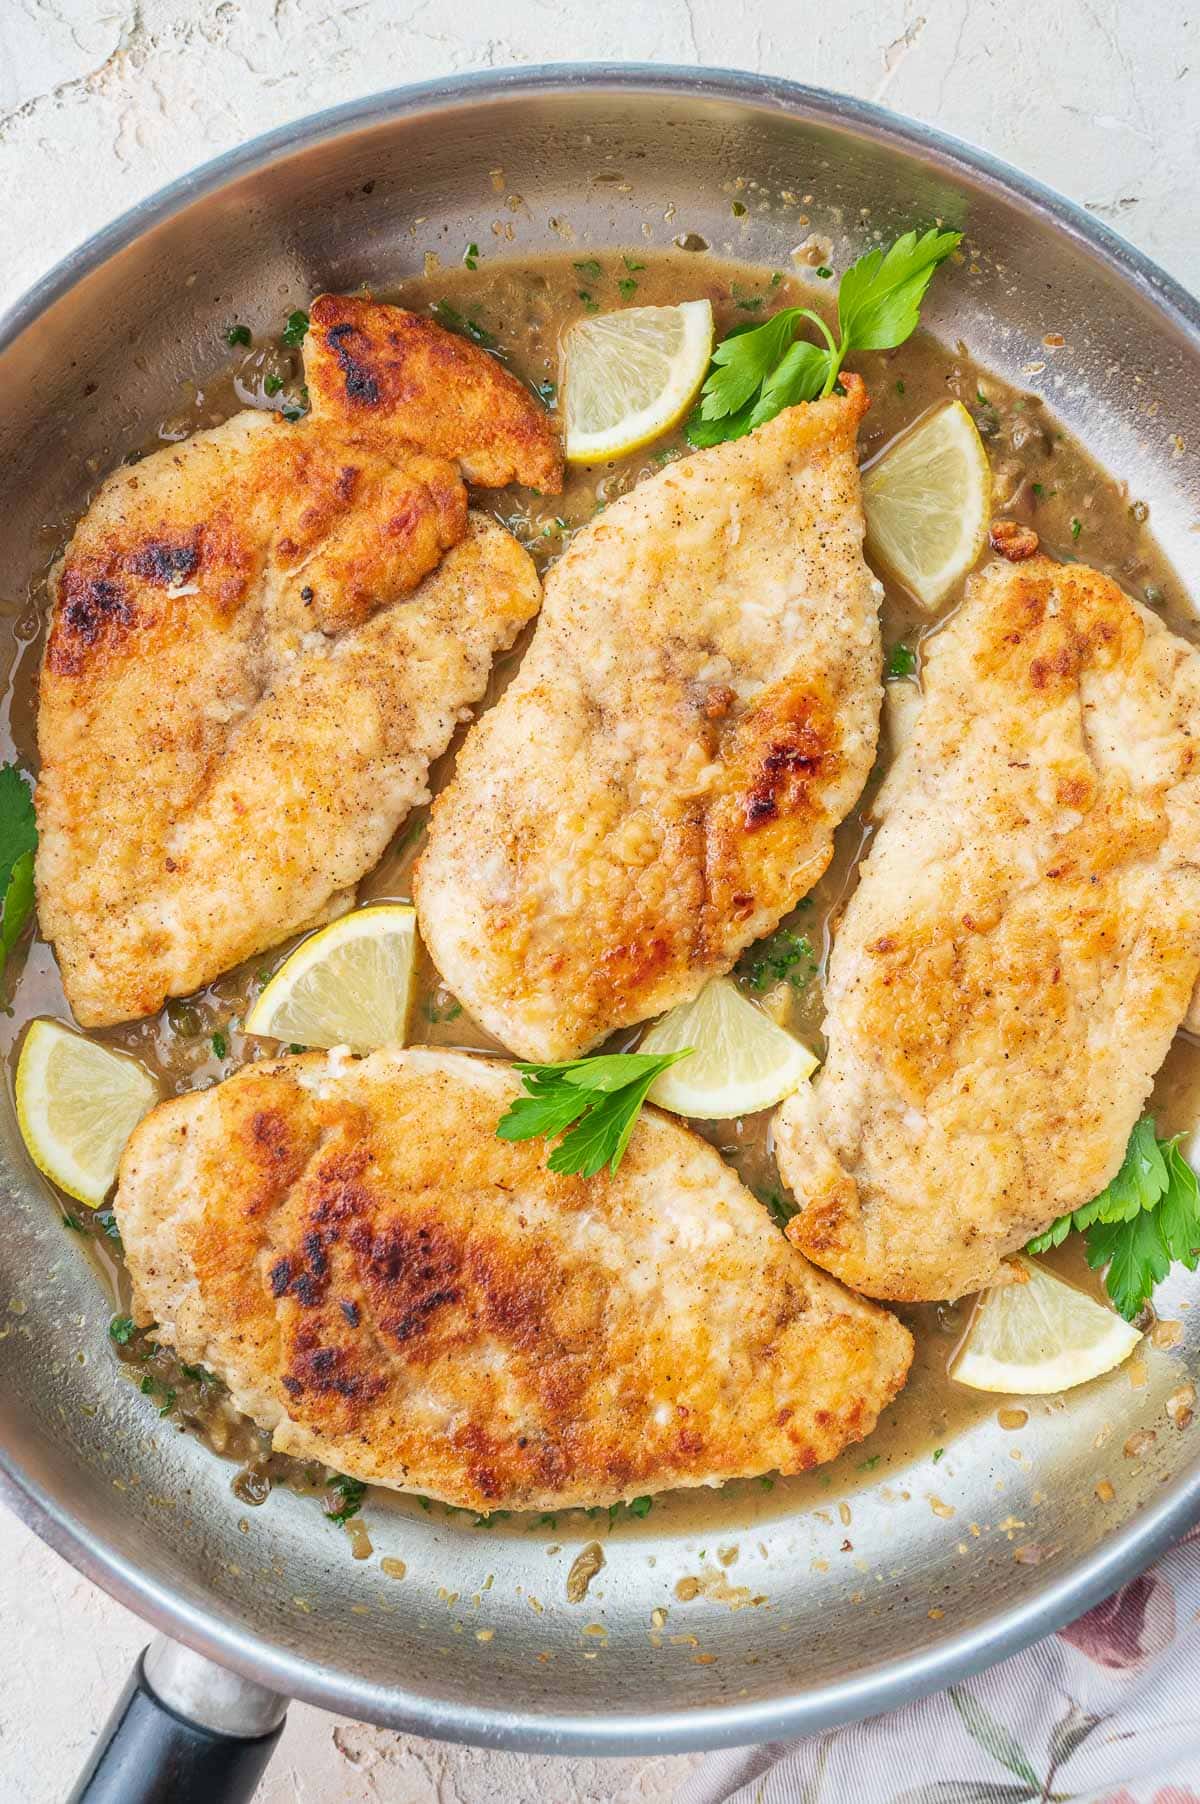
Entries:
{"x":250,"y":665}
{"x":660,"y":783}
{"x":391,"y":1289}
{"x":1022,"y":945}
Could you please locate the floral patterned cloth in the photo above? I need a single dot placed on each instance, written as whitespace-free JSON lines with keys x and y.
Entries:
{"x":1105,"y":1712}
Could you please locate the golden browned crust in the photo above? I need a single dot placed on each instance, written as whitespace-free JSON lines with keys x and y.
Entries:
{"x":392,"y":1289}
{"x":214,"y":587}
{"x":368,"y":363}
{"x":660,"y":784}
{"x":215,"y":773}
{"x":1022,"y":944}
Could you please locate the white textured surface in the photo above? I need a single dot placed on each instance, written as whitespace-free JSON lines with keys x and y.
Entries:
{"x":102,"y":101}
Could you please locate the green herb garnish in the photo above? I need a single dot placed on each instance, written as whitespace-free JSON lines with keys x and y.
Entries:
{"x":590,"y":267}
{"x":938,"y":1453}
{"x":272,"y":384}
{"x":869,"y":1465}
{"x":784,"y":958}
{"x":154,"y":1387}
{"x":626,"y":287}
{"x":641,"y":1506}
{"x":632,"y":265}
{"x":824,"y":272}
{"x":122,"y":1329}
{"x":1145,"y":1220}
{"x":1076,"y":528}
{"x":237,"y":335}
{"x":107,"y":1223}
{"x":296,"y":410}
{"x":589,"y":305}
{"x":351,"y":1491}
{"x":18,"y":842}
{"x":220,"y":1045}
{"x":901,"y":662}
{"x":294,"y":331}
{"x":757,"y":373}
{"x":471,"y":256}
{"x":454,"y":321}
{"x":778,"y":1207}
{"x":601,"y":1096}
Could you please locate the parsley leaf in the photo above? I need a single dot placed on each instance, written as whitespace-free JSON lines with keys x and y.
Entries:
{"x":18,"y":906}
{"x":1135,"y":1256}
{"x":743,"y":361}
{"x":879,"y":301}
{"x":901,"y":663}
{"x":122,"y":1329}
{"x":237,"y":335}
{"x":107,"y":1222}
{"x":18,"y":830}
{"x":351,"y":1491}
{"x":293,"y":333}
{"x":18,"y":842}
{"x":602,"y":1096}
{"x":1141,"y":1223}
{"x":453,"y":320}
{"x":1179,"y":1212}
{"x":756,"y":373}
{"x":799,"y":376}
{"x":778,"y":1206}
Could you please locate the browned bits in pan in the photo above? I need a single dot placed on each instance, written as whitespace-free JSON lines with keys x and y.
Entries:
{"x":1012,"y":540}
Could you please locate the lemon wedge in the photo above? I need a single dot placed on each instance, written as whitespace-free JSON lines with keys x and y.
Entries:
{"x":629,"y":376}
{"x":347,"y":985}
{"x":1040,"y":1336}
{"x":928,"y":501}
{"x":741,"y":1060}
{"x":77,"y":1104}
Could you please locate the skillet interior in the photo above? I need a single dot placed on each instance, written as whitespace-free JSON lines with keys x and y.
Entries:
{"x":592,"y":158}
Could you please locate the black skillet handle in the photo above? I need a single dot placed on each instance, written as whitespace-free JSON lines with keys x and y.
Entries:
{"x":185,"y":1731}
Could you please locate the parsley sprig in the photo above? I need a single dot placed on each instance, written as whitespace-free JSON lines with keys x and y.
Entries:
{"x":758,"y":372}
{"x":18,"y":842}
{"x":602,"y":1096}
{"x":350,"y":1494}
{"x":1143,"y":1222}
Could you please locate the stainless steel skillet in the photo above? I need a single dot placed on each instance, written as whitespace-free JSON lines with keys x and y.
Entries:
{"x":478,"y":1641}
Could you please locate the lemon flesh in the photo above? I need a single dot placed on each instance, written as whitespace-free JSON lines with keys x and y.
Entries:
{"x":1041,"y":1336}
{"x":741,"y":1061}
{"x":77,"y":1104}
{"x":347,"y":985}
{"x":928,"y":502}
{"x":628,"y":377}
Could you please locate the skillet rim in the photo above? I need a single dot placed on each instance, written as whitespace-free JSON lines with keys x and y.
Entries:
{"x":879,"y":1688}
